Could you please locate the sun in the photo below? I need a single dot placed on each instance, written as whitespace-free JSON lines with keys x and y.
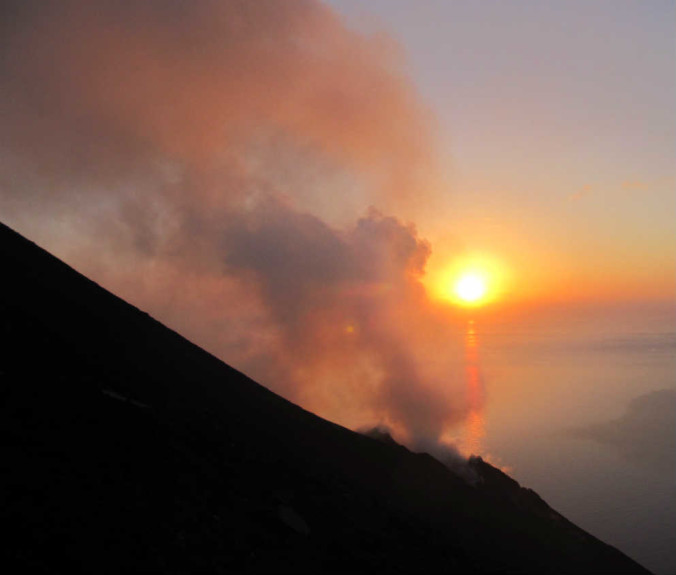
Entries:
{"x":470,"y":281}
{"x":470,"y":288}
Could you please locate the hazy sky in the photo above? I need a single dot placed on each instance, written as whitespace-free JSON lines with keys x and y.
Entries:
{"x":556,"y":123}
{"x":287,"y":183}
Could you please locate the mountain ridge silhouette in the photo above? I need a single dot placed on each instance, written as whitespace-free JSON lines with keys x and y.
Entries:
{"x":130,"y":449}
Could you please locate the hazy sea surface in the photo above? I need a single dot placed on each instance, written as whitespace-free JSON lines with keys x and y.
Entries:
{"x":580,"y":405}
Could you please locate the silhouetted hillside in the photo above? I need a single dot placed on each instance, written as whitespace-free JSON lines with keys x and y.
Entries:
{"x":128,"y":449}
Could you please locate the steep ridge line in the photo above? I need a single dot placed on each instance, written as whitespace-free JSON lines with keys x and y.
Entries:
{"x":129,"y":449}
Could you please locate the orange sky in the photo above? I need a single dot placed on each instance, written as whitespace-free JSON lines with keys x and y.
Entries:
{"x":295,"y":193}
{"x":556,"y":126}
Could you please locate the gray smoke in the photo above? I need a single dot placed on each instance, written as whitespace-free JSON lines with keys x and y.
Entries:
{"x":214,"y":162}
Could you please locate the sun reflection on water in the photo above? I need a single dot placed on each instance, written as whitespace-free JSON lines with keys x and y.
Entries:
{"x":474,"y":424}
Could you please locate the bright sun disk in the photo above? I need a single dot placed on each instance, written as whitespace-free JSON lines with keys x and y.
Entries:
{"x":470,"y":288}
{"x":468,"y":281}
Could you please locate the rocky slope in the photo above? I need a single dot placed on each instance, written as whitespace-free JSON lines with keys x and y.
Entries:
{"x":128,"y":449}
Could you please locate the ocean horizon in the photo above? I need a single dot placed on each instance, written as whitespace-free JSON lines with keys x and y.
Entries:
{"x":581,"y":407}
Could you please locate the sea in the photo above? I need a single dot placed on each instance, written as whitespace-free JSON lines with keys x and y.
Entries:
{"x":579,"y":404}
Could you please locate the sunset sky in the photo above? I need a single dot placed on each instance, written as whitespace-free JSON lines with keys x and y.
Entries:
{"x":319,"y":193}
{"x":453,"y":218}
{"x":556,"y":123}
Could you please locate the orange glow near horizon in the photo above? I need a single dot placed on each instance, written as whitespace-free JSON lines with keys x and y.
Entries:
{"x":474,"y":424}
{"x":469,"y":281}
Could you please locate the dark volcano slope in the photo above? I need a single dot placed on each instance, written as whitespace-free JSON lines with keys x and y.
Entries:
{"x":126,"y":449}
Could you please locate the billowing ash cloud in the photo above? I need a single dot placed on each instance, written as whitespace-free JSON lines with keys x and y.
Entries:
{"x":207,"y":161}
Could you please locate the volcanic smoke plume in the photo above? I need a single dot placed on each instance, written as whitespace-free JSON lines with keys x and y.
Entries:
{"x":215,"y":163}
